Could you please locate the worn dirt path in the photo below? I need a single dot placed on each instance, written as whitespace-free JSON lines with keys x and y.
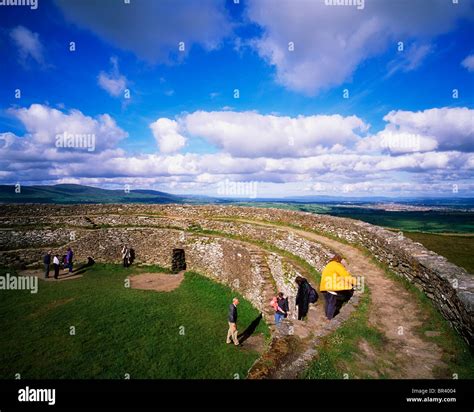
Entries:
{"x":394,"y":311}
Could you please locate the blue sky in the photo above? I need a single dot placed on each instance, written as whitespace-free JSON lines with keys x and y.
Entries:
{"x":399,"y":132}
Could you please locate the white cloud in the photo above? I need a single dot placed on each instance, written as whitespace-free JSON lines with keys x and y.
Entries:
{"x":468,"y":63}
{"x":442,"y":129}
{"x":113,"y":82}
{"x":250,"y":134}
{"x":450,"y":128}
{"x":397,"y":142}
{"x":166,"y":133}
{"x":362,"y":163}
{"x":44,"y":124}
{"x":331,"y":42}
{"x":28,"y":44}
{"x":152,"y":29}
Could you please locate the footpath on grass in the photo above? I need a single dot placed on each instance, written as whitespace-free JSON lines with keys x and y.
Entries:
{"x":393,"y":311}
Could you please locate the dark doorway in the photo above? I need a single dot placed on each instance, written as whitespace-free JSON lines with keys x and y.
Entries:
{"x":178,"y":261}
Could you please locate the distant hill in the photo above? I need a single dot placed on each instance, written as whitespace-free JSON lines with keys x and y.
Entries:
{"x":70,"y":193}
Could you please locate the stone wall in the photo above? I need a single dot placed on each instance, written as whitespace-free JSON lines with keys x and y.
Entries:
{"x":238,"y":265}
{"x":449,"y":287}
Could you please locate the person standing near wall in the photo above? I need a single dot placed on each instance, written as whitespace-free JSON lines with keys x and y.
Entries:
{"x":126,"y":256}
{"x":47,"y":264}
{"x":69,"y":258}
{"x":337,"y":286}
{"x":302,"y":297}
{"x":56,"y":266}
{"x":232,"y":319}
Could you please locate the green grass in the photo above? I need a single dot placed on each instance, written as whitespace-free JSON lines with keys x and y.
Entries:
{"x":337,"y":350}
{"x":457,"y":249}
{"x":433,"y":221}
{"x":122,"y":331}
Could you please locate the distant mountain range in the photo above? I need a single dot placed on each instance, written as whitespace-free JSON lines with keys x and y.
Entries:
{"x":72,"y":193}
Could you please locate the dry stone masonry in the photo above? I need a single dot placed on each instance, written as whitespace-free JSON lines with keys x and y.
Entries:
{"x":216,"y":243}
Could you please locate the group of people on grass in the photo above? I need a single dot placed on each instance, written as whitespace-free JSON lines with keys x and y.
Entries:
{"x":337,"y":286}
{"x":53,"y":260}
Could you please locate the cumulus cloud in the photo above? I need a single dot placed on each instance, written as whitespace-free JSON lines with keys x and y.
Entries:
{"x":330,"y":42}
{"x":449,"y":128}
{"x":442,"y":129}
{"x":249,"y":151}
{"x":468,"y":63}
{"x":166,"y":133}
{"x":113,"y":82}
{"x":43,"y":125}
{"x":28,"y":44}
{"x":250,"y":134}
{"x":152,"y":29}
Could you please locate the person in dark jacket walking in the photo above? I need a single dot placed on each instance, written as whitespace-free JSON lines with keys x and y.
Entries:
{"x":69,"y":257}
{"x":47,"y":264}
{"x":232,"y":319}
{"x":302,"y":297}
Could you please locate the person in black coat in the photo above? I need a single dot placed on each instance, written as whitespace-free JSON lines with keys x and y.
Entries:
{"x":232,"y":319}
{"x":302,"y":297}
{"x":47,"y":264}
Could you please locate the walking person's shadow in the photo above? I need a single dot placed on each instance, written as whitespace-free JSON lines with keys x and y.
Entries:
{"x":80,"y":270}
{"x":250,"y":329}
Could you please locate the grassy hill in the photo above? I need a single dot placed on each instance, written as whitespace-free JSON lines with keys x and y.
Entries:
{"x":458,"y":249}
{"x":70,"y":193}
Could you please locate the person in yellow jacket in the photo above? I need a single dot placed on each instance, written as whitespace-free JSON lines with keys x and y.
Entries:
{"x":337,"y":286}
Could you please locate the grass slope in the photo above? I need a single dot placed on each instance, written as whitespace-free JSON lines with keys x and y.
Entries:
{"x":457,"y":249}
{"x":434,"y":221}
{"x":121,"y":330}
{"x":337,"y":351}
{"x":71,"y":193}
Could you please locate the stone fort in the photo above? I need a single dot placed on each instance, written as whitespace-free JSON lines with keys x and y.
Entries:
{"x":243,"y":247}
